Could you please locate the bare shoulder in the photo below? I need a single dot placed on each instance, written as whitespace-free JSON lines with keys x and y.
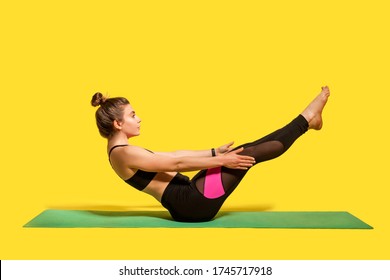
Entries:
{"x":126,"y":151}
{"x":131,"y":156}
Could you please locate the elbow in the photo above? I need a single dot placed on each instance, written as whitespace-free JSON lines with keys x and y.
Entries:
{"x":179,"y":165}
{"x":173,"y":165}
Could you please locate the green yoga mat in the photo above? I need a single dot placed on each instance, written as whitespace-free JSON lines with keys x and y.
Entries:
{"x":162,"y":219}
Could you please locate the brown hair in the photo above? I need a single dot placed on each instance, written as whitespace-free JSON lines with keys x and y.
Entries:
{"x":110,"y":109}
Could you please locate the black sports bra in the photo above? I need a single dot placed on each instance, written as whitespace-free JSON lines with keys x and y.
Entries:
{"x":141,"y":178}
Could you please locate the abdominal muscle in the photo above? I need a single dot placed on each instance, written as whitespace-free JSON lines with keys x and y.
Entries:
{"x":157,"y":186}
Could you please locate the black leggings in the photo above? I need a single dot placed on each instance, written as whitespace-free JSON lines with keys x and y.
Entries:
{"x":200,"y":199}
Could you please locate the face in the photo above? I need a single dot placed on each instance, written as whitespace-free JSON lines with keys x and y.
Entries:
{"x":130,"y":124}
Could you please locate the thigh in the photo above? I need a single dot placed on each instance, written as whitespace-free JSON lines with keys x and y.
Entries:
{"x":217,"y":182}
{"x":186,"y":204}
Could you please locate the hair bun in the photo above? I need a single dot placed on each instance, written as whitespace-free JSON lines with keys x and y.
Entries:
{"x":98,"y":99}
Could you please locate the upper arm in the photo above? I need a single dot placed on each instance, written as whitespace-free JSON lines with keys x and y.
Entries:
{"x":138,"y":158}
{"x":167,"y":154}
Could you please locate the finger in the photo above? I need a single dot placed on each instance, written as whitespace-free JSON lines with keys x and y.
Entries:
{"x":239,"y":150}
{"x":246,"y":157}
{"x":244,"y":168}
{"x":248,"y":163}
{"x":241,"y":168}
{"x":249,"y":158}
{"x":230,"y":146}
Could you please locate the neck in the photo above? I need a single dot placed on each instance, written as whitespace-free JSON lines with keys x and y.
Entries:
{"x":117,"y":139}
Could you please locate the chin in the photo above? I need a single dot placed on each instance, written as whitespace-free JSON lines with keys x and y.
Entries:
{"x":133,"y":135}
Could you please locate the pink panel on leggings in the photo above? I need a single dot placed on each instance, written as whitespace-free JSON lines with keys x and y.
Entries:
{"x":213,"y":187}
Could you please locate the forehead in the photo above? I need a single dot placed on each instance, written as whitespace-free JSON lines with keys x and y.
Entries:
{"x":128,"y":108}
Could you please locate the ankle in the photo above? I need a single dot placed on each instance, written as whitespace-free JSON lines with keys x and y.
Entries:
{"x":309,"y":116}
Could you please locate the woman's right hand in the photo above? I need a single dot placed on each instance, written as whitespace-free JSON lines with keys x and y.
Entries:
{"x":235,"y":161}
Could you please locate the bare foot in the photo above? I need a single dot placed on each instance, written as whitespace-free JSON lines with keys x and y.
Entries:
{"x":313,"y":112}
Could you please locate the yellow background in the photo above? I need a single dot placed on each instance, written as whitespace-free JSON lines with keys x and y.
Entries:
{"x":199,"y":74}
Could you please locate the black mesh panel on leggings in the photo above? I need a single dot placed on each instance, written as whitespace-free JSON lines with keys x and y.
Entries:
{"x":266,"y":148}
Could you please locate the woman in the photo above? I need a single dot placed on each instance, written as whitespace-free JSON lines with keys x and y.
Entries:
{"x":158,"y":174}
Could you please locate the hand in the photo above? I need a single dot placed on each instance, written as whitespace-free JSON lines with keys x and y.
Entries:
{"x":235,"y":161}
{"x":225,"y":148}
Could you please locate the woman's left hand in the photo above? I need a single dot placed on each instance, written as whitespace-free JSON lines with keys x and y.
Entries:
{"x":224,"y":148}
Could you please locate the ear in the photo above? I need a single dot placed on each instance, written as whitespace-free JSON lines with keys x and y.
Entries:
{"x":117,"y":124}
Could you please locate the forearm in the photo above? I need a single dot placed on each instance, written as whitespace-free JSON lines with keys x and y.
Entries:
{"x":188,"y":153}
{"x":230,"y":160}
{"x":154,"y":162}
{"x":193,"y":163}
